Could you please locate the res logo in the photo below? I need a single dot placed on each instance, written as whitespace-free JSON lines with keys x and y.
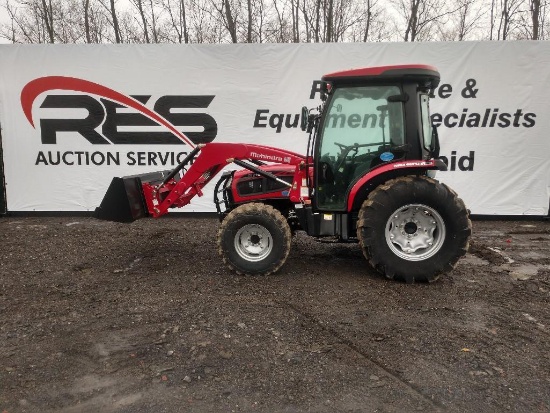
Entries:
{"x":102,"y":105}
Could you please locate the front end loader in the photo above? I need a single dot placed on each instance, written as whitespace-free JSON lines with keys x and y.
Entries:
{"x":367,"y":176}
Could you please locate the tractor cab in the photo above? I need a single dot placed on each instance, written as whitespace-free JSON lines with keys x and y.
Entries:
{"x":371,"y":117}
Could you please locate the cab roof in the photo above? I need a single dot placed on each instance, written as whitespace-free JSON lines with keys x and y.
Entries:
{"x":424,"y":74}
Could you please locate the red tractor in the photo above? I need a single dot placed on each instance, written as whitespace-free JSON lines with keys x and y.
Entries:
{"x":368,"y":176}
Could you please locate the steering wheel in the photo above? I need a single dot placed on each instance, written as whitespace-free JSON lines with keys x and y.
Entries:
{"x":342,"y":146}
{"x":345,"y":150}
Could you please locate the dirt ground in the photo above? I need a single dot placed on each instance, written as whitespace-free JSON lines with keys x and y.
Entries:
{"x":104,"y":317}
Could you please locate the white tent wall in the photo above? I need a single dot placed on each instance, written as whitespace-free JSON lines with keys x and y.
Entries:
{"x":491,"y":110}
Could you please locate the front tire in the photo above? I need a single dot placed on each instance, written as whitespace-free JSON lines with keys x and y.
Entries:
{"x":254,"y":239}
{"x":413,"y":228}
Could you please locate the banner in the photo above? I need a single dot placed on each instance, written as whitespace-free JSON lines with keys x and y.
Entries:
{"x":74,"y":116}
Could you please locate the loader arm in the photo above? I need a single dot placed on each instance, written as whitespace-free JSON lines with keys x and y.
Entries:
{"x":167,"y":190}
{"x":209,"y":161}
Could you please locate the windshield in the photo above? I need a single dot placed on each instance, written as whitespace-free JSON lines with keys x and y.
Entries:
{"x":359,"y":131}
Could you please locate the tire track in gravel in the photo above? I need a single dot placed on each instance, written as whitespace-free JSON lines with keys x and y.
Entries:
{"x":412,"y":390}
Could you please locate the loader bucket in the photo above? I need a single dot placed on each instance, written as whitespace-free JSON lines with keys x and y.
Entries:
{"x":124,"y":200}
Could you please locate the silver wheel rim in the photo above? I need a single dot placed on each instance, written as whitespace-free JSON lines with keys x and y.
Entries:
{"x":253,"y":242}
{"x":415,"y":232}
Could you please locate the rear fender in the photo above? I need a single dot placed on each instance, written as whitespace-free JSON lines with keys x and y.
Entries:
{"x":364,"y":185}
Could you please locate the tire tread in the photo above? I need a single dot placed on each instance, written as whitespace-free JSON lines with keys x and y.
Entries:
{"x":375,"y":206}
{"x":255,"y":209}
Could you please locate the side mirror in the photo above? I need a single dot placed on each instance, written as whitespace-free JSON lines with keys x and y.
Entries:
{"x":326,"y":87}
{"x":304,"y":118}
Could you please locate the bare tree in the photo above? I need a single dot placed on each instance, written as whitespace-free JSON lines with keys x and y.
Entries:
{"x":279,"y":27}
{"x":531,"y":21}
{"x":155,"y":28}
{"x":508,"y":19}
{"x":249,"y":21}
{"x":87,"y":20}
{"x":116,"y":28}
{"x":177,"y":15}
{"x":138,"y":4}
{"x":47,"y":15}
{"x":466,"y":19}
{"x":328,"y":16}
{"x":368,"y":20}
{"x":283,"y":21}
{"x":331,"y":20}
{"x":230,"y":21}
{"x":30,"y":22}
{"x":260,"y":18}
{"x":537,"y":16}
{"x":421,"y":17}
{"x":347,"y":15}
{"x":511,"y":10}
{"x":311,"y":12}
{"x":492,"y":19}
{"x":204,"y":23}
{"x":371,"y":24}
{"x":295,"y":6}
{"x":100,"y":23}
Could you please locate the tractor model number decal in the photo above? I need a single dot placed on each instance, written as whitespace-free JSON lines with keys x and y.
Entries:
{"x":412,"y":164}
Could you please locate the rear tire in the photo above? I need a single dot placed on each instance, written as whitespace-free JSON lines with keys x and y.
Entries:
{"x":254,"y":239}
{"x":413,"y":228}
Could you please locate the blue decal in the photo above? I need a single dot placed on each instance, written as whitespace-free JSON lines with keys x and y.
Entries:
{"x":386,"y":156}
{"x":285,"y":193}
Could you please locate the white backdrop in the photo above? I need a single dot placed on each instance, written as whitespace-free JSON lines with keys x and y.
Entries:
{"x":492,"y":109}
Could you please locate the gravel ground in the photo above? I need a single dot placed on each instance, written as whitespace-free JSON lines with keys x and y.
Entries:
{"x":104,"y":317}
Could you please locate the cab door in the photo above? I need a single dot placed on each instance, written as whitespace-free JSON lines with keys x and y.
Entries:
{"x":361,"y":129}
